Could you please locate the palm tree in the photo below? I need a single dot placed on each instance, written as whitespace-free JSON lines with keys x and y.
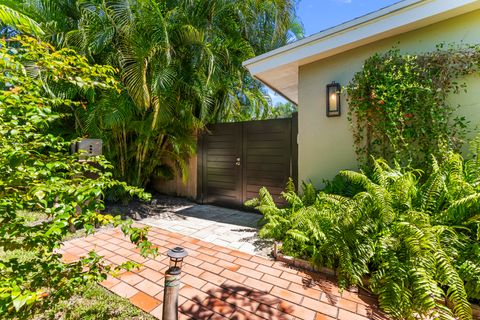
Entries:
{"x":180,"y":64}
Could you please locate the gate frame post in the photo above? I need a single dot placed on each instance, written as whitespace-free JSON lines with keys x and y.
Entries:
{"x":294,"y":150}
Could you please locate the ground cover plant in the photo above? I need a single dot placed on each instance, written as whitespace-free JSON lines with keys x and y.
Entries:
{"x":417,"y":241}
{"x":85,"y":302}
{"x":38,"y":174}
{"x":92,"y":302}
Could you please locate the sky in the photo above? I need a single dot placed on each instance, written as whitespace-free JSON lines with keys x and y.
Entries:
{"x":318,"y":15}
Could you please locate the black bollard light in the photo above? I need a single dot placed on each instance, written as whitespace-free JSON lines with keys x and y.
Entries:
{"x":172,"y":283}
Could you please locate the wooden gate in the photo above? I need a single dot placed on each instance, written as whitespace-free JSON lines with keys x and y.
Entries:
{"x":236,"y":159}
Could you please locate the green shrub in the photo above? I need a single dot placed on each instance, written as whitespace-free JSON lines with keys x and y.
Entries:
{"x":399,"y":105}
{"x":418,"y":242}
{"x":38,"y":173}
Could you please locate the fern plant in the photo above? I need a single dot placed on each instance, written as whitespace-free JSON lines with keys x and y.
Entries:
{"x":418,"y":241}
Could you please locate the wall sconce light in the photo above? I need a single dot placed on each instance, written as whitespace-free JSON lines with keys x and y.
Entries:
{"x":333,"y":99}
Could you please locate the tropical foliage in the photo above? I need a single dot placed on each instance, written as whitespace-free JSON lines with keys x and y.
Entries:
{"x":40,"y":174}
{"x":283,"y":110}
{"x":418,"y":242}
{"x":180,"y":67}
{"x":399,"y":104}
{"x":22,"y":23}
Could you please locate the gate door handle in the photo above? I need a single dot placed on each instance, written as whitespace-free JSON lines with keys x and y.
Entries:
{"x":237,"y":162}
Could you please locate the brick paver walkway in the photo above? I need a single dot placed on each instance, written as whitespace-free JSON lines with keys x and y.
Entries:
{"x":222,"y":283}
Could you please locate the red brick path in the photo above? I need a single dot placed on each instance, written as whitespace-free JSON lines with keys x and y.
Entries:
{"x":220,"y":283}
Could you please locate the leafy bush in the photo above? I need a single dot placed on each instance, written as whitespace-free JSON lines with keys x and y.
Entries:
{"x":180,"y":66}
{"x":418,"y":242}
{"x":39,"y":174}
{"x":399,"y":104}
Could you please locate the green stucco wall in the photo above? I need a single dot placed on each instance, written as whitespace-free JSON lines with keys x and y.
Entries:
{"x":326,"y":144}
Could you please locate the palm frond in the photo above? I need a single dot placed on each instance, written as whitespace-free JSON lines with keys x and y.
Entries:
{"x":19,"y":21}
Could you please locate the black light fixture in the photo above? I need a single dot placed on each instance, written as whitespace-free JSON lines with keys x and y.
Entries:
{"x":333,"y":99}
{"x":176,"y":256}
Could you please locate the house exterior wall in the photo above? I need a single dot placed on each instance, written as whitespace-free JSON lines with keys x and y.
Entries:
{"x":326,"y":144}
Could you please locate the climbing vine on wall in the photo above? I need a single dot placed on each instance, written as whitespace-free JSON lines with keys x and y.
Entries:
{"x":399,"y":106}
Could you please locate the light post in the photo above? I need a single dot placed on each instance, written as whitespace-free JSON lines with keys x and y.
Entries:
{"x":172,"y":283}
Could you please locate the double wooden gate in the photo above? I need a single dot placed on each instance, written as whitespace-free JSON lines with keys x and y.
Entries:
{"x":236,"y":159}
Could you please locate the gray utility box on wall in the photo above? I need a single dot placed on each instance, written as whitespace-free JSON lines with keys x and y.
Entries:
{"x":88,"y":148}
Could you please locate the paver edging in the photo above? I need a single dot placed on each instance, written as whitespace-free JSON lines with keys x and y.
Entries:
{"x":298,"y":262}
{"x":307,"y":265}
